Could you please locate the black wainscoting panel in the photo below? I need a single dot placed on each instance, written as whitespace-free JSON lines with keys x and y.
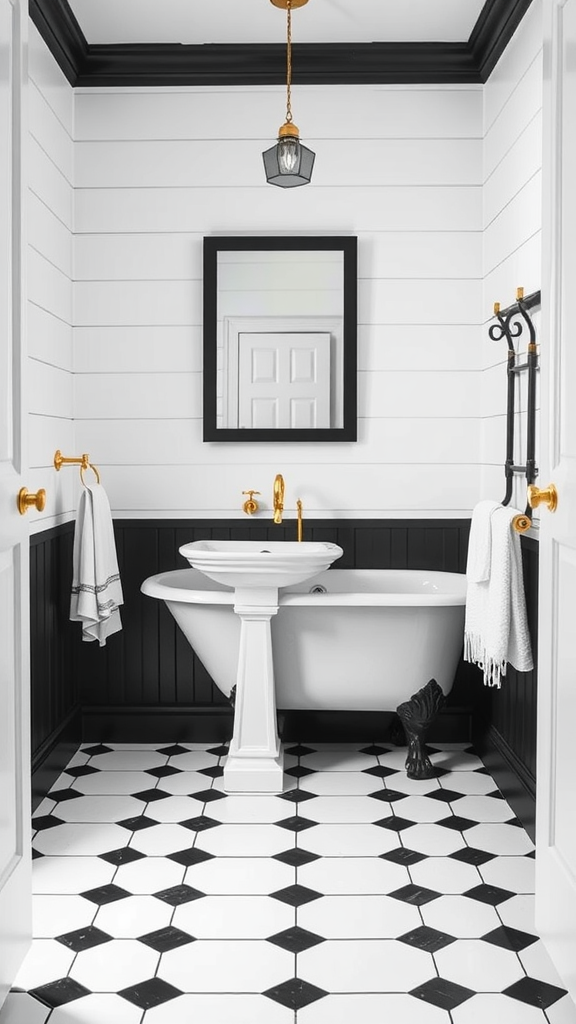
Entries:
{"x":148,"y":684}
{"x":54,"y":699}
{"x":505,"y":718}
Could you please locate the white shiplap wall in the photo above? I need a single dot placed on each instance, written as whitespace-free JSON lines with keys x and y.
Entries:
{"x":50,"y":161}
{"x":398,"y":167}
{"x":512,"y":232}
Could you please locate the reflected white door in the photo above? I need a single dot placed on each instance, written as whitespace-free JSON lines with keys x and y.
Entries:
{"x":284,"y":380}
{"x":556,"y":770}
{"x":15,"y":870}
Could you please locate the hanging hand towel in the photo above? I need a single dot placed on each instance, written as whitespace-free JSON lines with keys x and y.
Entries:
{"x":96,"y":588}
{"x":496,"y":627}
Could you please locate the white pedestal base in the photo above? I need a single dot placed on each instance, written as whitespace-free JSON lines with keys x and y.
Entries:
{"x":254,"y":775}
{"x":255,"y":761}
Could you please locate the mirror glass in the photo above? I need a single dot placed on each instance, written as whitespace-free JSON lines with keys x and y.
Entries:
{"x":280,"y":338}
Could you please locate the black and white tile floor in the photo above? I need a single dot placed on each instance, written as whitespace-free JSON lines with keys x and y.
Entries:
{"x":355,"y":895}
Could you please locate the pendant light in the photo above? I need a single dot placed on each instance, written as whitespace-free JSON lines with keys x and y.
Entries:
{"x":288,"y":163}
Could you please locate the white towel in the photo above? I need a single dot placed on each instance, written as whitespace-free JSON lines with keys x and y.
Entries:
{"x":96,"y":587}
{"x":496,"y":627}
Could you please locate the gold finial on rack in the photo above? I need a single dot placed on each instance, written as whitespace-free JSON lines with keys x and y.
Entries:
{"x":521,"y":523}
{"x":519,"y":294}
{"x":496,"y":308}
{"x":83,"y":461}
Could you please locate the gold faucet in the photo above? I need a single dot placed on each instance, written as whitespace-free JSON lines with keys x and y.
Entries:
{"x":278,"y":498}
{"x":300,"y":525}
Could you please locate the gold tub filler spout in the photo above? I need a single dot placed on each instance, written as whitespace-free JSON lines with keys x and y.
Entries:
{"x":278,"y":498}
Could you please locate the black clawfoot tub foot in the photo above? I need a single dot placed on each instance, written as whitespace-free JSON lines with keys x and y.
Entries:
{"x":417,"y":715}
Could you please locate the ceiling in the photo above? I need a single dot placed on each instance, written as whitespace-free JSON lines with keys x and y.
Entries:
{"x":242,"y":42}
{"x":258,"y":21}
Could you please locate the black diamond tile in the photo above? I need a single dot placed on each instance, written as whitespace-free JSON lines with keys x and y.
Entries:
{"x":220,"y":751}
{"x":296,"y":895}
{"x":296,"y":857}
{"x":150,"y":993}
{"x":446,"y":795}
{"x":403,"y":856}
{"x":469,"y":855}
{"x":200,"y":823}
{"x":173,"y":750}
{"x":299,"y":771}
{"x":491,"y":894}
{"x":60,"y":795}
{"x":84,"y":938}
{"x":125,"y":855}
{"x":510,"y":938}
{"x":138,"y":823}
{"x":165,"y":939}
{"x":416,"y":895}
{"x":297,"y":796}
{"x":457,"y":823}
{"x":296,"y":823}
{"x":189,"y":857}
{"x":535,"y":993}
{"x":531,"y":854}
{"x":380,"y":771}
{"x":440,"y":992}
{"x":99,"y":748}
{"x":296,"y":939}
{"x":148,"y":796}
{"x":57,"y":993}
{"x":104,"y":894}
{"x":300,"y":750}
{"x":514,"y":821}
{"x":163,"y":771}
{"x":214,"y":772}
{"x":81,"y":769}
{"x":496,"y":794}
{"x":374,"y":750}
{"x":428,"y":939}
{"x":395,"y":823}
{"x":36,"y":854}
{"x":46,"y":821}
{"x":481,"y":771}
{"x":208,"y":796}
{"x":390,"y":795}
{"x":295,"y":993}
{"x":178,"y":894}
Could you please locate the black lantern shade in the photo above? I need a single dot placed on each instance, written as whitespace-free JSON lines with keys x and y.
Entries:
{"x":288,"y":163}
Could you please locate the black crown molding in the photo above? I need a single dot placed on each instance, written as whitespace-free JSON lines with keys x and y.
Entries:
{"x":86,"y":64}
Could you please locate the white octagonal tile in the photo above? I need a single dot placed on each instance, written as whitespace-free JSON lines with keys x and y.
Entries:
{"x":479,"y":965}
{"x":114,"y":965}
{"x":358,"y":917}
{"x":365,"y":966}
{"x":228,"y":966}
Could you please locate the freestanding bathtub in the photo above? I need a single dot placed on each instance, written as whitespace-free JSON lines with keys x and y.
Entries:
{"x":348,"y":639}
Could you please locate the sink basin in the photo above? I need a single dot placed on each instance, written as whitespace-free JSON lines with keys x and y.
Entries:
{"x":253,"y":563}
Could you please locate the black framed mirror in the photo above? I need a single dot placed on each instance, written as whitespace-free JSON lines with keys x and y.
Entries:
{"x":280,"y":338}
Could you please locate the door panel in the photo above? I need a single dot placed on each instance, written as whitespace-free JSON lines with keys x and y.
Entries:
{"x":15,"y":868}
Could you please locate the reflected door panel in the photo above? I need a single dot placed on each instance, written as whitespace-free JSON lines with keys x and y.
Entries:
{"x":283,"y":381}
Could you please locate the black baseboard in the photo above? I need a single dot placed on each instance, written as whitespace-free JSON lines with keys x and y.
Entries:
{"x":194,"y":724}
{"x":510,"y":774}
{"x":185,"y":723}
{"x":54,"y":754}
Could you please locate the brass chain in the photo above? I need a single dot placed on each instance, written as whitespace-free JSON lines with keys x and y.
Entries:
{"x":289,"y":62}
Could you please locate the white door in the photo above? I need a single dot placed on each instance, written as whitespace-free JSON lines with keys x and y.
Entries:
{"x":283,"y":380}
{"x":15,"y":871}
{"x":556,"y":770}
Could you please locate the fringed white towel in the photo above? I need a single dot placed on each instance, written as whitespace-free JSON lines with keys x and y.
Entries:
{"x":496,"y":627}
{"x":96,"y":588}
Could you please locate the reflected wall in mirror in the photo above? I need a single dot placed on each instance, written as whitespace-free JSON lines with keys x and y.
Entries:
{"x":280,"y":325}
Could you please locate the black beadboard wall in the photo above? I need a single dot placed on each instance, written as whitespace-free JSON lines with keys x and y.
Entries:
{"x":146,"y":684}
{"x":56,"y":726}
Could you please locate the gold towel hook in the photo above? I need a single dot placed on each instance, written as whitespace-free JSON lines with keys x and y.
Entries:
{"x":83,"y":461}
{"x":521,"y":523}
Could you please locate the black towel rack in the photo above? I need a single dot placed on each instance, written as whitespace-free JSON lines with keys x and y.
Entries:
{"x":511,"y":324}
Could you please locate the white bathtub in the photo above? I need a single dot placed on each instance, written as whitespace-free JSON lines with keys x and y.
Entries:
{"x":374,"y":638}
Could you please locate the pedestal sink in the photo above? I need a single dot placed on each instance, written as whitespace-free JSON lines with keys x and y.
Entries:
{"x":256,"y":570}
